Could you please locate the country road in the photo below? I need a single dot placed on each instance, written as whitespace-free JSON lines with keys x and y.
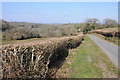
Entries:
{"x":110,"y":49}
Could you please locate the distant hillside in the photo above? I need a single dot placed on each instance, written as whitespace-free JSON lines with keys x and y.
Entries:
{"x":34,"y":25}
{"x":4,"y":25}
{"x":26,"y":30}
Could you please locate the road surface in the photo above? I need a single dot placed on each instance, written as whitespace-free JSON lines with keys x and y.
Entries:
{"x":110,"y":49}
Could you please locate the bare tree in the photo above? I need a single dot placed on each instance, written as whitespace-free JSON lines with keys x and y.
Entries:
{"x":109,"y":23}
{"x":92,"y":21}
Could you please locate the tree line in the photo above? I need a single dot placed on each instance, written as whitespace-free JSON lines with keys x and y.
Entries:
{"x":12,"y":31}
{"x":16,"y":32}
{"x":93,"y":23}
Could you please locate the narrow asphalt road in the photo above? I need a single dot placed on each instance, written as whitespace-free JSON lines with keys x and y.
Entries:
{"x":110,"y":49}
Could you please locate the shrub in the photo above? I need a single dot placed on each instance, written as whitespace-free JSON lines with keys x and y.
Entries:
{"x":37,"y":59}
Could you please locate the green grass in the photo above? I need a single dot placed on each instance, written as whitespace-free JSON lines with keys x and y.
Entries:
{"x":21,"y":41}
{"x":113,"y":40}
{"x":88,"y":61}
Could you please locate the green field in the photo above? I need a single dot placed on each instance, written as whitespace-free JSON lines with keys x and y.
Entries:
{"x":21,"y":41}
{"x":87,"y":61}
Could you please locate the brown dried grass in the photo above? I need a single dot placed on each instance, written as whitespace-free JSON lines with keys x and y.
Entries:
{"x":110,"y":32}
{"x":37,"y":59}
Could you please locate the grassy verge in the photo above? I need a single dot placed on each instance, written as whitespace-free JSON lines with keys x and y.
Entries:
{"x":87,"y":61}
{"x":113,"y":40}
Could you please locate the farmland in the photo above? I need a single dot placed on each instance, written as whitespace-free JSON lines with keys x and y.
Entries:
{"x":61,"y":39}
{"x":31,"y":50}
{"x":37,"y":59}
